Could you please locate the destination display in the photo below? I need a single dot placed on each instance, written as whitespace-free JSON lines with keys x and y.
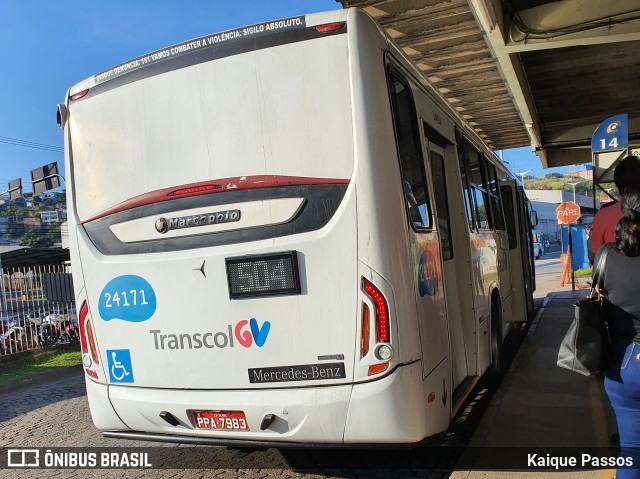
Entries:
{"x":263,"y":275}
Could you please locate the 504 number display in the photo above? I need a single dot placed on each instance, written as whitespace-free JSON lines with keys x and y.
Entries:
{"x":263,"y":275}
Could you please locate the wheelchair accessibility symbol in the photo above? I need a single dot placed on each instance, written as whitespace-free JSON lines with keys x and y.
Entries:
{"x":119,"y":362}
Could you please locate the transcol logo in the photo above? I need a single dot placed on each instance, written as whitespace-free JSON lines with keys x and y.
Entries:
{"x":257,"y":334}
{"x":246,"y":337}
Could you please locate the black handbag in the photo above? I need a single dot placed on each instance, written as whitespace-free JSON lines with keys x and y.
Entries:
{"x":584,"y":347}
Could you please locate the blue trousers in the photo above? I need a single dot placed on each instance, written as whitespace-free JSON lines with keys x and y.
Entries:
{"x":622,"y":384}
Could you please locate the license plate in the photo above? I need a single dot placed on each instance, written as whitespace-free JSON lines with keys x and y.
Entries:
{"x":221,"y":420}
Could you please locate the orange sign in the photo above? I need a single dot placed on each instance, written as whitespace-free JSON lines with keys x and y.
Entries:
{"x":568,"y":212}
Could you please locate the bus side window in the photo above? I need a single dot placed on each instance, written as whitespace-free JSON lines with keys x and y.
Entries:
{"x":477,"y":180}
{"x":440,"y":193}
{"x":509,"y":216}
{"x":409,"y":153}
{"x":494,"y":195}
{"x":464,"y":175}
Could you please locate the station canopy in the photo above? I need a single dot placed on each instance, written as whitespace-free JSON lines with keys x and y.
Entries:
{"x":543,"y":73}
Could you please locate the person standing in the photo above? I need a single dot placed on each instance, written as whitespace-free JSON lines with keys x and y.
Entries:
{"x":626,"y":174}
{"x":622,"y":289}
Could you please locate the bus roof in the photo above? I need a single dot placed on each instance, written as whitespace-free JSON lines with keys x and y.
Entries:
{"x":213,"y":46}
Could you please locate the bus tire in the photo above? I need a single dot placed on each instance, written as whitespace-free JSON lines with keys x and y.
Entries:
{"x":496,"y":367}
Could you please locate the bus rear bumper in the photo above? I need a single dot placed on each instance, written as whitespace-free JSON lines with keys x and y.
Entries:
{"x":382,"y":411}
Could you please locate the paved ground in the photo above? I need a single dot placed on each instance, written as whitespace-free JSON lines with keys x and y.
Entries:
{"x":539,"y":404}
{"x":57,"y":415}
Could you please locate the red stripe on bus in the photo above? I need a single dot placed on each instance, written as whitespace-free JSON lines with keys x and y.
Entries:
{"x":215,"y":186}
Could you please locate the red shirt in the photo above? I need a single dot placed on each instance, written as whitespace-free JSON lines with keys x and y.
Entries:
{"x":604,"y":226}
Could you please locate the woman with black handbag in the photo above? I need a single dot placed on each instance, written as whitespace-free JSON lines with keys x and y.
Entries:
{"x":622,"y":290}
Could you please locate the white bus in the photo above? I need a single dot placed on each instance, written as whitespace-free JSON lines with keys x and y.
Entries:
{"x":281,"y":234}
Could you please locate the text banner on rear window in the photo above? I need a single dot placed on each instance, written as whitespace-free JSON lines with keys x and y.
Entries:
{"x":207,"y":41}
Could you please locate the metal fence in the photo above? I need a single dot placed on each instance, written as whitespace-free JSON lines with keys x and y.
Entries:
{"x":38,"y":308}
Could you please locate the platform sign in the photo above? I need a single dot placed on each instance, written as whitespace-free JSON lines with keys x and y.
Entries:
{"x":612,"y":134}
{"x":45,"y":178}
{"x":15,"y":189}
{"x":568,"y":212}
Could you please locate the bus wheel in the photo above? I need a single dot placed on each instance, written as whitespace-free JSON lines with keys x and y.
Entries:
{"x":496,"y":367}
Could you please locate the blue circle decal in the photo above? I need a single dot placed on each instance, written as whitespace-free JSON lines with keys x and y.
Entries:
{"x":427,"y":275}
{"x":129,"y":298}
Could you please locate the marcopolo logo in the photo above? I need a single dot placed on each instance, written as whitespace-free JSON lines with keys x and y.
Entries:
{"x":163,"y":225}
{"x":245,"y":332}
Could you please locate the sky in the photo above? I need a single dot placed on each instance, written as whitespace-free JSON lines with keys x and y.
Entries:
{"x":48,"y":46}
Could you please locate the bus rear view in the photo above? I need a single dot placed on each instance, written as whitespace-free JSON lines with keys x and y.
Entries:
{"x":214,"y":229}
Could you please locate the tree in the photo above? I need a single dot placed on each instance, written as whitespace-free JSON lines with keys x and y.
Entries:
{"x":37,"y":239}
{"x":14,"y":210}
{"x":15,"y":230}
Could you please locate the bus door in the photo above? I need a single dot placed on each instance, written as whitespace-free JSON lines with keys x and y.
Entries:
{"x":518,"y":232}
{"x":436,"y":163}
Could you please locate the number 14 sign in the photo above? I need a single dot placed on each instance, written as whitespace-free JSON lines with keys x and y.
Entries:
{"x":612,"y":134}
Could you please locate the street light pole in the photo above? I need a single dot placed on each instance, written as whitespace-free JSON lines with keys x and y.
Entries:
{"x":574,"y":190}
{"x":522,"y":176}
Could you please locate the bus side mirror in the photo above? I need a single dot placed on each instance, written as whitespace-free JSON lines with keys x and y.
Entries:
{"x":533,"y":216}
{"x":61,"y":116}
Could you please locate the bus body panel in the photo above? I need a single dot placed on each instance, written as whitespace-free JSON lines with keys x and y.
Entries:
{"x":103,"y":414}
{"x":361,"y":413}
{"x":384,"y":244}
{"x":424,"y":412}
{"x":301,"y":414}
{"x":203,"y":340}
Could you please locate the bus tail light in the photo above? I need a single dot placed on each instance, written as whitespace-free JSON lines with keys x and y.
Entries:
{"x":378,"y":368}
{"x":330,"y":27}
{"x":92,"y":343}
{"x":79,"y":95}
{"x":366,"y":330}
{"x":83,"y":336}
{"x":382,"y":311}
{"x":87,"y":338}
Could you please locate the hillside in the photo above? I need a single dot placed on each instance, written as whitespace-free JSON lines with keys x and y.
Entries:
{"x":556,"y":181}
{"x":33,"y":222}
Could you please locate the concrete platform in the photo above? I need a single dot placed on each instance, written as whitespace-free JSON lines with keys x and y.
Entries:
{"x":541,"y":405}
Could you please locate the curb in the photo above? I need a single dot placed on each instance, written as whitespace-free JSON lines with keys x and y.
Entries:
{"x":40,"y":379}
